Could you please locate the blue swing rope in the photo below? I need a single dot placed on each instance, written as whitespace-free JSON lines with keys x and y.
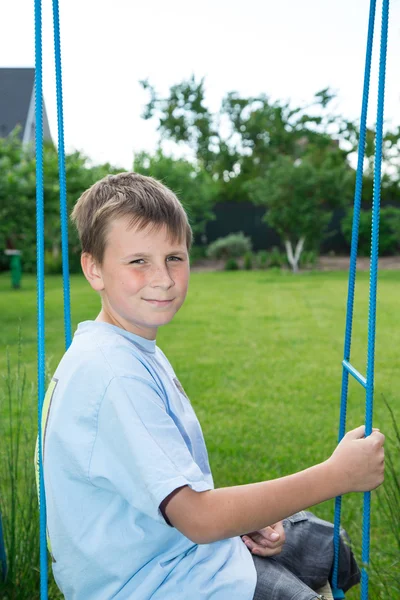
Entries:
{"x":367,"y":383}
{"x":40,"y":247}
{"x":352,"y":279}
{"x":62,"y":176}
{"x":373,"y":280}
{"x":40,"y":282}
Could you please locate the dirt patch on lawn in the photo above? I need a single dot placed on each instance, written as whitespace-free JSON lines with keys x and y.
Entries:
{"x":325,"y":263}
{"x":342,"y":263}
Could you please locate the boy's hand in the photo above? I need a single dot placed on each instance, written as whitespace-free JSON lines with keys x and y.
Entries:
{"x":267,"y":541}
{"x":359,"y":460}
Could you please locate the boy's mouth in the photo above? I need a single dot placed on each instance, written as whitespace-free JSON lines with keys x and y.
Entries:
{"x":158,"y":302}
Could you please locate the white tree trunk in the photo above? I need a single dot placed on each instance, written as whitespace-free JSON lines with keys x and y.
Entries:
{"x":294,"y":258}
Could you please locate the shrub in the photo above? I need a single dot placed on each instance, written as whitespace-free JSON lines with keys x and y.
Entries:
{"x":233,"y":245}
{"x":262,"y":259}
{"x":231,"y":265}
{"x":276,"y":258}
{"x":389,"y":231}
{"x":248,"y":261}
{"x":308,"y":259}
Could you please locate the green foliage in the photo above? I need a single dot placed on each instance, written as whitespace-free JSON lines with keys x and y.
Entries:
{"x":248,"y":261}
{"x":364,"y":230}
{"x":262,"y":259}
{"x":52,"y":263}
{"x":272,"y":259}
{"x":183,"y":117}
{"x":291,"y":159}
{"x":276,"y":258}
{"x":389,"y":504}
{"x":300,"y":196}
{"x":256,"y":131}
{"x":231,"y":265}
{"x":389,"y":231}
{"x":231,"y":246}
{"x":18,"y":495}
{"x":390,"y":153}
{"x":194,"y":186}
{"x":308,"y":259}
{"x":391,"y":489}
{"x":197,"y":253}
{"x":18,"y":195}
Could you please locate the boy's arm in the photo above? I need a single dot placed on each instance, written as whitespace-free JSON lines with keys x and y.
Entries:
{"x":204,"y":517}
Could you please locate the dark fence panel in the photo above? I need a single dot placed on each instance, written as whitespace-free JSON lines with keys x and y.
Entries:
{"x":232,"y":217}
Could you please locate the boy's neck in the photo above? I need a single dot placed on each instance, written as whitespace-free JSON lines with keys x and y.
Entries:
{"x":105,"y":316}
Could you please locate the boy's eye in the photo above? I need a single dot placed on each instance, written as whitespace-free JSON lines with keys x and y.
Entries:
{"x":174,"y":258}
{"x":141,"y":261}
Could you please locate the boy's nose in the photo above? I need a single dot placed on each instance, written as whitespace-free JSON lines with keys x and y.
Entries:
{"x":162,"y":278}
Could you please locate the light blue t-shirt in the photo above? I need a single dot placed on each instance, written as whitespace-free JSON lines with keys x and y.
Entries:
{"x":120,"y":436}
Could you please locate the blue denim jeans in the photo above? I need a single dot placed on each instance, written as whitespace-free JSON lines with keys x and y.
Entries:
{"x":305,"y":563}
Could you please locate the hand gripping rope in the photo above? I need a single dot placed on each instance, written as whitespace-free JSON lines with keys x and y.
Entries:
{"x":368,"y":382}
{"x":40,"y":246}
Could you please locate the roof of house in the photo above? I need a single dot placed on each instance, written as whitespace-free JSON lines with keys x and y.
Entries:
{"x":16,"y":87}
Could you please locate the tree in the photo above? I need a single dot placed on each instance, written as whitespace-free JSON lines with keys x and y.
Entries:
{"x":263,"y":131}
{"x":299,"y":196}
{"x":255,"y":132}
{"x":18,"y":195}
{"x":17,"y":204}
{"x":183,"y":118}
{"x":389,"y":231}
{"x":193,"y":185}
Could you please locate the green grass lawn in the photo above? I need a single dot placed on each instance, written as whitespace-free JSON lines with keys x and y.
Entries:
{"x":259,"y":354}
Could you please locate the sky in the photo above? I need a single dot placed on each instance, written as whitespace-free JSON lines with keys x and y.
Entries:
{"x":287,"y":49}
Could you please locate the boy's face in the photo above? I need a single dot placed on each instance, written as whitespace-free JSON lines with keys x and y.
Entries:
{"x":143,"y":279}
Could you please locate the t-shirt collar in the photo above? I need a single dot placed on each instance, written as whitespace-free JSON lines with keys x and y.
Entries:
{"x":143,"y":343}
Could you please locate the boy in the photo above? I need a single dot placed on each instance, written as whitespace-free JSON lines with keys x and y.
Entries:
{"x":132,"y":512}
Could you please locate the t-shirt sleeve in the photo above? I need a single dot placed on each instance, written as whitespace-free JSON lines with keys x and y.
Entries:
{"x":139,"y":451}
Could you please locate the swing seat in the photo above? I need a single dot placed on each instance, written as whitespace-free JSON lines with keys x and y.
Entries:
{"x":326,"y":592}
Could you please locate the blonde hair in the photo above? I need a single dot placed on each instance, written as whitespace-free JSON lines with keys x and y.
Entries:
{"x":144,"y":200}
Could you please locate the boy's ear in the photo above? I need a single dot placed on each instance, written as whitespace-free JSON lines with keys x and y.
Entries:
{"x":92,"y":271}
